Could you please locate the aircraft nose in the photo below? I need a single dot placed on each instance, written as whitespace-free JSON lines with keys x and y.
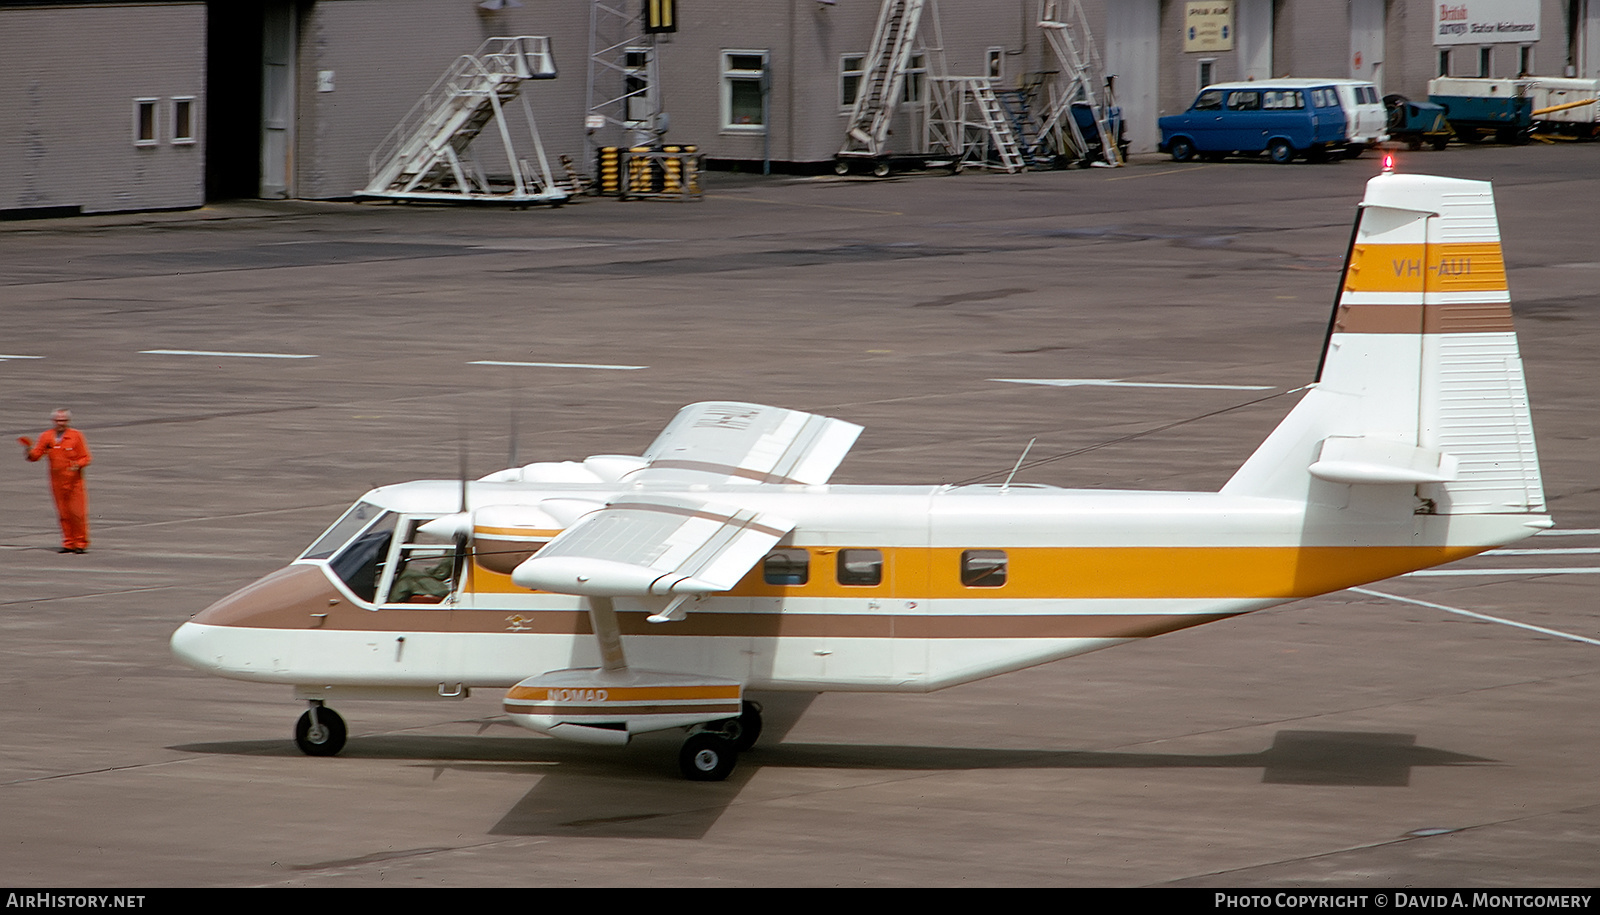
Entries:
{"x":190,"y":648}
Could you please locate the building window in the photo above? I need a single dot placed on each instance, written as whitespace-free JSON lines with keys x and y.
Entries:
{"x":742,"y":75}
{"x":983,"y":568}
{"x":997,"y":65}
{"x":860,"y":567}
{"x":636,"y":86}
{"x":916,"y":73}
{"x":1444,"y":62}
{"x":851,"y":71}
{"x":1207,"y":72}
{"x":183,"y":121}
{"x":144,"y":122}
{"x":1485,"y":62}
{"x":1525,"y":60}
{"x":786,"y":567}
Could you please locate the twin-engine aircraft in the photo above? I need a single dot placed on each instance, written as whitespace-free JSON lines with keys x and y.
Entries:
{"x":626,"y":594}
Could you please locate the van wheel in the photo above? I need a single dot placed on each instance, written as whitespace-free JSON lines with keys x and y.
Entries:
{"x":1182,"y":150}
{"x":1280,"y":151}
{"x":1441,"y":143}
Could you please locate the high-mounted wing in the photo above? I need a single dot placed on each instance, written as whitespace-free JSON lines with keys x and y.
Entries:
{"x":747,"y":443}
{"x":643,"y":545}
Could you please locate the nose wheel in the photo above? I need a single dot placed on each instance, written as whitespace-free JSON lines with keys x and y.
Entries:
{"x":320,"y":731}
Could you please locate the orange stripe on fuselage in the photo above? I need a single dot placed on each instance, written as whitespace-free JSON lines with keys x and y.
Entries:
{"x":540,"y":693}
{"x":1035,"y":573}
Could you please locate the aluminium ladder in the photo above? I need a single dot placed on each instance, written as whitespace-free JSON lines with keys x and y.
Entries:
{"x":427,"y":156}
{"x":1079,"y":81}
{"x":884,"y":79}
{"x":972,"y":123}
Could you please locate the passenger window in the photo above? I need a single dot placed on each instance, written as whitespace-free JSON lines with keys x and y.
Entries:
{"x":1209,"y":101}
{"x":1281,"y":100}
{"x":1245,"y":101}
{"x":786,"y":567}
{"x":860,"y":567}
{"x":983,"y":568}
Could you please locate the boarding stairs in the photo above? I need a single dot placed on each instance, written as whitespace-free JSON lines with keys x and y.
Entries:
{"x":1079,"y":80}
{"x":428,"y":155}
{"x":884,"y":79}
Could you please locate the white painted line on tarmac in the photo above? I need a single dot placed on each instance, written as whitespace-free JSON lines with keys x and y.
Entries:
{"x":1579,"y":570}
{"x":1575,"y":532}
{"x":203,"y":352}
{"x":1480,"y":616}
{"x":1114,"y":383}
{"x":4,"y":358}
{"x":1552,"y":551}
{"x":564,"y":365}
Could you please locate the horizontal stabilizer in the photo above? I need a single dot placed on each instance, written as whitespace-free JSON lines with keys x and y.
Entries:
{"x":747,"y":443}
{"x":1356,"y":459}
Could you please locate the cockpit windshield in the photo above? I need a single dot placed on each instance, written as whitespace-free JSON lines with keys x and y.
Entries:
{"x":358,"y":517}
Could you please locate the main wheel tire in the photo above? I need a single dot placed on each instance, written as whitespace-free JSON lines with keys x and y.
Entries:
{"x":707,"y":757}
{"x":744,"y":730}
{"x":1181,"y":149}
{"x":326,"y":738}
{"x":1441,"y":143}
{"x":1281,"y":152}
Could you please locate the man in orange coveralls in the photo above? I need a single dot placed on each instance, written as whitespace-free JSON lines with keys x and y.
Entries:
{"x":69,"y":454}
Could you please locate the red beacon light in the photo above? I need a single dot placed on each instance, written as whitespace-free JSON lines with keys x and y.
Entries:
{"x":1388,"y":163}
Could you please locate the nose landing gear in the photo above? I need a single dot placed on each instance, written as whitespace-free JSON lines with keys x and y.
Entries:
{"x":320,"y":731}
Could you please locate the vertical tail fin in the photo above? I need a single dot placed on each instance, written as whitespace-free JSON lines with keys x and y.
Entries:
{"x":1421,"y":382}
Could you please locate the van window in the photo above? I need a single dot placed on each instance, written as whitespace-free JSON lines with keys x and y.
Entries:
{"x":1209,"y":101}
{"x":1244,"y":101}
{"x":1282,"y":100}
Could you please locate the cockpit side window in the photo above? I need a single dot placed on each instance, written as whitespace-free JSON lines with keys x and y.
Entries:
{"x":426,"y":568}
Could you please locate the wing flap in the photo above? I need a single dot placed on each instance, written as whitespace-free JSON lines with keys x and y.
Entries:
{"x":643,"y":545}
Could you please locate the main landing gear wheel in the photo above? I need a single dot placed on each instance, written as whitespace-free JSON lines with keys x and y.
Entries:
{"x":320,"y":736}
{"x":707,"y":757}
{"x":745,"y":730}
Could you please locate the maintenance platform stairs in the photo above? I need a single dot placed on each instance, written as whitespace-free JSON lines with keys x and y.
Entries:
{"x":427,"y":156}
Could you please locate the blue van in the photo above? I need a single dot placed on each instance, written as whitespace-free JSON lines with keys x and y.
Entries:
{"x":1285,"y":118}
